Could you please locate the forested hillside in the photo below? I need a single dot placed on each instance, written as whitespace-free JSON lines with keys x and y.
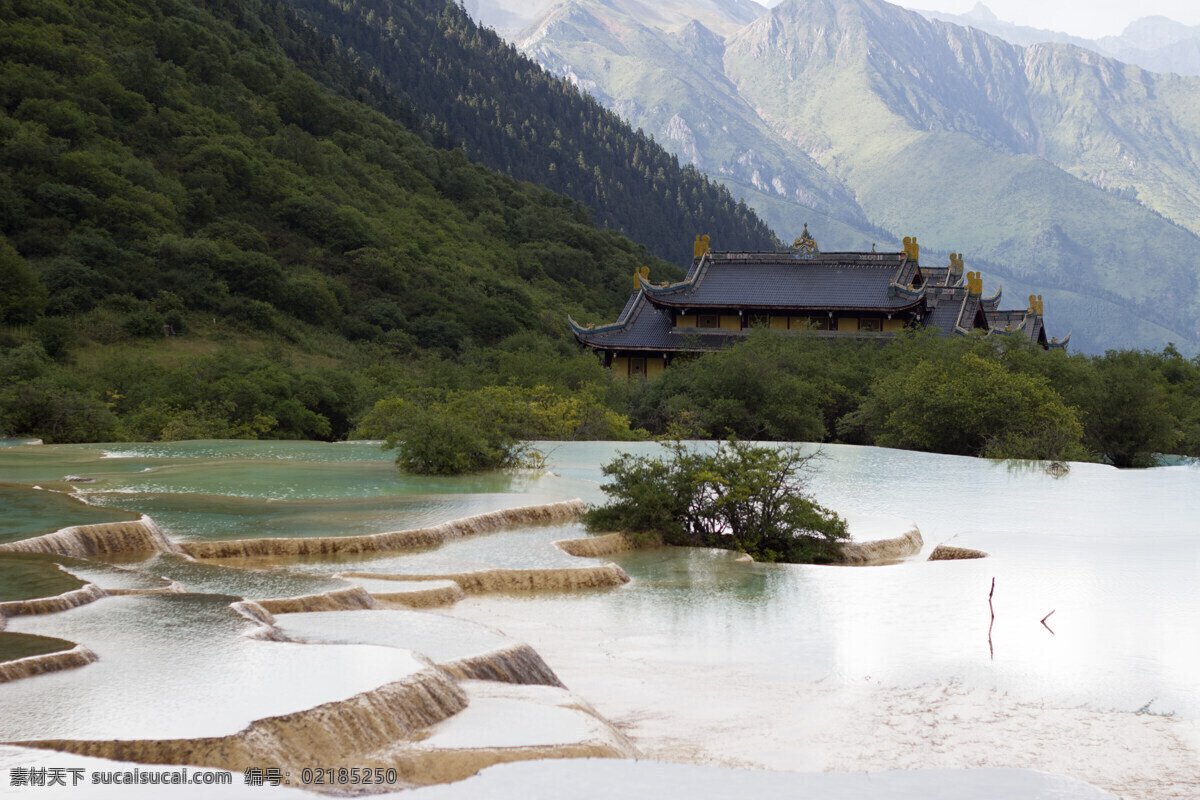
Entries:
{"x":187,"y":168}
{"x":510,"y":114}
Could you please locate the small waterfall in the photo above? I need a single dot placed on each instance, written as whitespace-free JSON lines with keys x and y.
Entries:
{"x":85,"y":594}
{"x":77,"y":656}
{"x":264,"y":621}
{"x":385,"y":542}
{"x":882,"y":550}
{"x":352,"y":598}
{"x":946,"y":553}
{"x":172,"y":587}
{"x":597,"y":546}
{"x":358,"y":730}
{"x":520,"y":580}
{"x":518,"y":664}
{"x":443,"y":594}
{"x":106,"y":538}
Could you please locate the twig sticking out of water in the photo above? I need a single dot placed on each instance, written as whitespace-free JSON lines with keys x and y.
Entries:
{"x":991,"y":650}
{"x":1047,"y":627}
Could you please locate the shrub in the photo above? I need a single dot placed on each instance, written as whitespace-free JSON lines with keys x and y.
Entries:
{"x":737,"y":496}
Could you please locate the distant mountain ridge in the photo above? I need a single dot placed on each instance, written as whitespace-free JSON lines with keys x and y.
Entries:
{"x":1155,"y":43}
{"x":1053,"y":168}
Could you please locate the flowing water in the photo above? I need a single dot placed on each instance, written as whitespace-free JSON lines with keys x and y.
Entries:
{"x":1096,"y":585}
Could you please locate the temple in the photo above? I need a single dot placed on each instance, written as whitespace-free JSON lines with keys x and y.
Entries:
{"x":863,"y":295}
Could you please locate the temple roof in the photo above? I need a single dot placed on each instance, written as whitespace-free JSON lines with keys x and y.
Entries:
{"x":1020,"y":321}
{"x":793,"y":281}
{"x":643,"y":327}
{"x":954,"y":310}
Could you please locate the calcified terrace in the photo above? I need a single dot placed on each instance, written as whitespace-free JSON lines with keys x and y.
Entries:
{"x":429,"y":723}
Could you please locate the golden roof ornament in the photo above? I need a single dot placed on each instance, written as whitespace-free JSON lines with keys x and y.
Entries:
{"x":806,"y":243}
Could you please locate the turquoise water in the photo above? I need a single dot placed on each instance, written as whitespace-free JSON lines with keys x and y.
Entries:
{"x":1115,"y":554}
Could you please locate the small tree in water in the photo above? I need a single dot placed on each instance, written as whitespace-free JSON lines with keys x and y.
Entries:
{"x":737,"y":496}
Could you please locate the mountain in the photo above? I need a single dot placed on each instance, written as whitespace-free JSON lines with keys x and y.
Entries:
{"x":1157,"y":44}
{"x":511,"y":115}
{"x":672,"y":83}
{"x":1054,"y":169}
{"x":508,"y":17}
{"x":221,"y":173}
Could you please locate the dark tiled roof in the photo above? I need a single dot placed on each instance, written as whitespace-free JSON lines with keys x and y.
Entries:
{"x":643,"y":327}
{"x":949,"y":309}
{"x":787,"y":281}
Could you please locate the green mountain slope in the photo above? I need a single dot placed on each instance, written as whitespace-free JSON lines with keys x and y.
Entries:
{"x":511,"y":115}
{"x":203,"y":166}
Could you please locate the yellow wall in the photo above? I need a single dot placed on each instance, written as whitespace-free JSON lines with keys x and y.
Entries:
{"x":731,"y":322}
{"x":779,"y":323}
{"x":655,"y":366}
{"x":847,"y":324}
{"x":688,"y":321}
{"x":892,"y":325}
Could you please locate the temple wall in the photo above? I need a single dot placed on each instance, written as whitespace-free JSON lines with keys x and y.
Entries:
{"x":731,"y":322}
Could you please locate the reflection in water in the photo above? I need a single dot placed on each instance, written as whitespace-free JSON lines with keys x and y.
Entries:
{"x":31,"y":512}
{"x":1115,"y":554}
{"x":180,"y":666}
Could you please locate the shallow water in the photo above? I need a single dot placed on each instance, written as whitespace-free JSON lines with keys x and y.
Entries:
{"x":23,"y":645}
{"x":31,"y":512}
{"x":27,"y":575}
{"x":180,"y":666}
{"x":1114,"y":554}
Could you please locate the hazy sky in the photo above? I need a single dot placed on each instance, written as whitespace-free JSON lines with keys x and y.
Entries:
{"x":1088,"y":18}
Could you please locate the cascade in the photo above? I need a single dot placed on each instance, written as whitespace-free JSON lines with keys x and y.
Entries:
{"x":16,"y":669}
{"x":263,"y":620}
{"x":385,"y":542}
{"x":85,"y":594}
{"x":883,"y":549}
{"x":520,"y":580}
{"x":357,"y":730}
{"x":353,"y":597}
{"x":518,"y":664}
{"x":597,"y":546}
{"x":106,"y":538}
{"x":439,"y":593}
